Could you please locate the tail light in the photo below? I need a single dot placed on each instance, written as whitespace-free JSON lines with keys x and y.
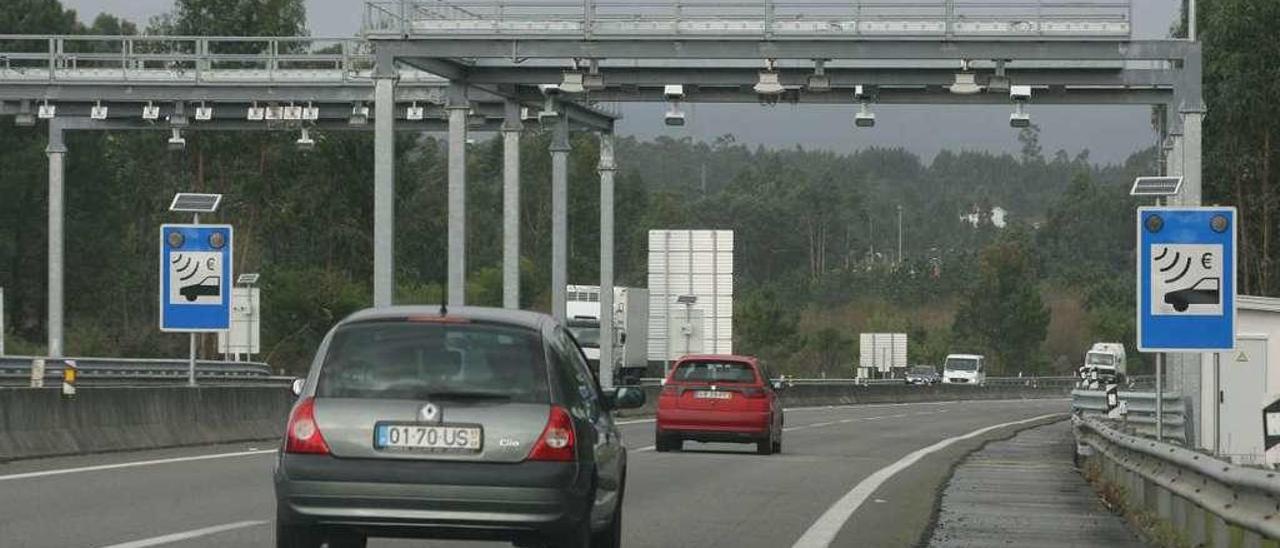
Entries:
{"x":556,"y":441}
{"x":753,"y":392}
{"x":303,"y":434}
{"x":669,"y":390}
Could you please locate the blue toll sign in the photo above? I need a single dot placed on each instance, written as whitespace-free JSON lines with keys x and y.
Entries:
{"x":1186,"y":279}
{"x":195,"y":277}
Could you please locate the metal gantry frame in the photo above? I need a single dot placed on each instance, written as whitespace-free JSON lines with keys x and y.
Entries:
{"x":96,"y":83}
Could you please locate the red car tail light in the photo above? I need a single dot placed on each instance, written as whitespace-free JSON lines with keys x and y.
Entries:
{"x":557,"y":441}
{"x":753,"y":392}
{"x":669,"y":391}
{"x":302,"y":435}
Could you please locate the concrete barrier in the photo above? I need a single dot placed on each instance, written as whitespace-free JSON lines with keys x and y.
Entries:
{"x":815,"y":395}
{"x":41,"y":423}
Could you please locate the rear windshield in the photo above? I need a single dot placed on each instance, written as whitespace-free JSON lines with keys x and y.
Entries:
{"x":711,"y":371}
{"x":407,"y":360}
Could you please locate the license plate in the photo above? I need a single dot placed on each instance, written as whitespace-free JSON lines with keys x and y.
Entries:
{"x":712,"y":395}
{"x":435,"y":438}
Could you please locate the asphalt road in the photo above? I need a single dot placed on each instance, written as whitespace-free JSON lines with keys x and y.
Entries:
{"x":709,"y":495}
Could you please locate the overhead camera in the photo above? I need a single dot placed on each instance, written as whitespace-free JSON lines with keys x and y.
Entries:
{"x":1019,"y":120}
{"x":549,"y":89}
{"x":674,"y":116}
{"x":864,"y":118}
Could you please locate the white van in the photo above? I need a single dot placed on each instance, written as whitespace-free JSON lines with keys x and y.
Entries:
{"x":965,"y":369}
{"x":1106,"y":359}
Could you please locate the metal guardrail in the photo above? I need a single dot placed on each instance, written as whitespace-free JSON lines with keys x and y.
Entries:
{"x":16,"y":370}
{"x":1182,"y":486}
{"x":1139,"y":415}
{"x":750,"y":19}
{"x":1033,"y":382}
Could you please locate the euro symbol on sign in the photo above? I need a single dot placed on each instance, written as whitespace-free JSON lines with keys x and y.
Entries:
{"x":1206,"y":260}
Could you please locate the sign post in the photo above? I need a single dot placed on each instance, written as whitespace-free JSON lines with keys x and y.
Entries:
{"x":1186,"y":284}
{"x":195,"y":281}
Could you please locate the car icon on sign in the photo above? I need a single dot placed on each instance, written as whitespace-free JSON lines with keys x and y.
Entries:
{"x":1204,"y":291}
{"x":210,"y":286}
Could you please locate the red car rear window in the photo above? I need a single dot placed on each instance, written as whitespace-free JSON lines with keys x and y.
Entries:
{"x":714,"y":371}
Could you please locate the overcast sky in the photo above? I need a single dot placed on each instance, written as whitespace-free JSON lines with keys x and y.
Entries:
{"x":1110,"y":133}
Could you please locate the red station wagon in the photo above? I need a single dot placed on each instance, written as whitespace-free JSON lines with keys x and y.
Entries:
{"x":712,"y":398}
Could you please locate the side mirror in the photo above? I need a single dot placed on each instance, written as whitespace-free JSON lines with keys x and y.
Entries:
{"x":297,"y":386}
{"x":627,"y":397}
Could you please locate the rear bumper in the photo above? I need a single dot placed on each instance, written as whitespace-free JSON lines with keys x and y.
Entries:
{"x":432,"y":499}
{"x":695,"y":423}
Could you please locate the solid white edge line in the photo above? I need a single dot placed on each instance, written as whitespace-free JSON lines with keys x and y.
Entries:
{"x":187,"y":535}
{"x":637,"y":421}
{"x":59,"y":472}
{"x":823,"y":531}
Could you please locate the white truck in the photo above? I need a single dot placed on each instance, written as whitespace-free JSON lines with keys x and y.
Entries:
{"x":1105,"y":359}
{"x":968,"y":369}
{"x":630,"y":328}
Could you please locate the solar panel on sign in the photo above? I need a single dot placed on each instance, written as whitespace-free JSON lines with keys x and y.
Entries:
{"x":189,"y":202}
{"x":1156,"y":186}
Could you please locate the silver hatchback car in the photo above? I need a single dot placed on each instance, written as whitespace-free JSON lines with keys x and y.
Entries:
{"x":470,"y":423}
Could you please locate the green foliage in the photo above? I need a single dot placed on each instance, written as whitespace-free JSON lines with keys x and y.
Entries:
{"x":1003,"y":315}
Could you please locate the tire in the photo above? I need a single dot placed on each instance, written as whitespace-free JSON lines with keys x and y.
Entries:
{"x":765,"y":446}
{"x":297,"y":536}
{"x":664,"y":443}
{"x":611,"y":536}
{"x":348,"y":540}
{"x":578,"y":537}
{"x":777,"y":445}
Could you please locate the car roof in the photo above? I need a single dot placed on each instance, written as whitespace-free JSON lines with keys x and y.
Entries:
{"x":522,"y":318}
{"x":965,"y":356}
{"x":718,"y":357}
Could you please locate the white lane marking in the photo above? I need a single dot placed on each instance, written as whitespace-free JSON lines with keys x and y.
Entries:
{"x":637,"y":421}
{"x":187,"y":535}
{"x":824,"y":530}
{"x":44,"y":473}
{"x":645,"y":448}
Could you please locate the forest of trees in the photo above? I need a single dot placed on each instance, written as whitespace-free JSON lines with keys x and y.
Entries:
{"x":816,"y":230}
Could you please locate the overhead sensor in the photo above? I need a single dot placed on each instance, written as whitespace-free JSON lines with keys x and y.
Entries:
{"x":674,"y":116}
{"x":1020,"y":95}
{"x":305,"y":142}
{"x":176,"y":141}
{"x":819,"y":81}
